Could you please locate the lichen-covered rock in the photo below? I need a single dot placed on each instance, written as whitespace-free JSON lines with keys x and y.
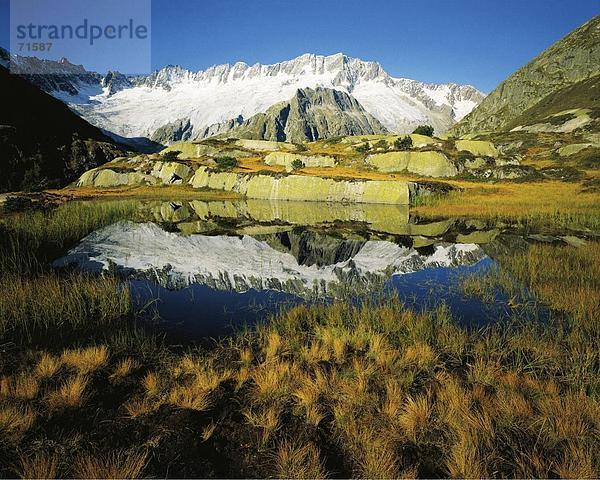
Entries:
{"x":286,"y":159}
{"x":108,"y":178}
{"x":474,"y":163}
{"x":477,"y":147}
{"x":429,"y":164}
{"x":192,"y":150}
{"x":572,"y":149}
{"x":508,"y":172}
{"x":172,"y":172}
{"x":305,"y":188}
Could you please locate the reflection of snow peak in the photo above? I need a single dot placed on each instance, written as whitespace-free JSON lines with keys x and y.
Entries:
{"x":240,"y":263}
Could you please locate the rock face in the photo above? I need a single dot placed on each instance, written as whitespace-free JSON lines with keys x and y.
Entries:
{"x":310,"y":115}
{"x":114,"y":82}
{"x":572,"y":59}
{"x":428,"y":164}
{"x":572,"y":149}
{"x":43,"y":143}
{"x":305,"y":188}
{"x":477,"y":147}
{"x":177,"y":131}
{"x":287,"y":160}
{"x":107,"y":178}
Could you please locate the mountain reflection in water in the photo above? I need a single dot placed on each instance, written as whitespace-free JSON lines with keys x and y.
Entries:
{"x":213,"y":265}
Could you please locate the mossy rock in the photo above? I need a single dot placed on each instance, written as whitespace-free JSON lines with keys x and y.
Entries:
{"x":572,"y":149}
{"x":429,"y":164}
{"x":287,"y":159}
{"x":477,"y":147}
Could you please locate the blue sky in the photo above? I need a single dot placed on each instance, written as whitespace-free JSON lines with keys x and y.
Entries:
{"x":465,"y":41}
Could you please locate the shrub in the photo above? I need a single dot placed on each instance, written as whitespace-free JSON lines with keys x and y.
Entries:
{"x":297,"y":164}
{"x":362,"y":148}
{"x":404,"y":143}
{"x":171,"y":155}
{"x":300,"y":147}
{"x":226,"y":163}
{"x":381,"y":144}
{"x":424,"y":130}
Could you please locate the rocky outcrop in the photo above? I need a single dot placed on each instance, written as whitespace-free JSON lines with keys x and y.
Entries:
{"x":107,"y":178}
{"x":306,"y":188}
{"x":310,"y":115}
{"x":114,"y":82}
{"x":572,"y":149}
{"x":171,"y":173}
{"x":428,"y":164}
{"x":477,"y":147}
{"x":177,"y":131}
{"x":287,"y":160}
{"x":574,"y":58}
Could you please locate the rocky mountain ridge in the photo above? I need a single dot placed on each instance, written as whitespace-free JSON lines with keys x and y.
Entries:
{"x":311,"y":114}
{"x":573,"y":59}
{"x":141,"y":106}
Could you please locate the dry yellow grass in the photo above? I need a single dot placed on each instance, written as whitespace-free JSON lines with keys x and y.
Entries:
{"x":47,"y":366}
{"x":267,"y":419}
{"x":191,"y":397}
{"x":23,"y":387}
{"x":415,"y":417}
{"x":71,"y":394}
{"x":298,"y":461}
{"x":38,"y":465}
{"x":552,"y":203}
{"x":151,"y":384}
{"x":124,"y":368}
{"x":85,"y":360}
{"x":15,"y":421}
{"x":119,"y":464}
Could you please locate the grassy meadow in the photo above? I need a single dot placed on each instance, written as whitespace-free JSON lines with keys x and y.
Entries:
{"x":373,"y":390}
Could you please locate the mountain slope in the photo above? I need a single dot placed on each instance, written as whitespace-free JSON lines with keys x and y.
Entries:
{"x":556,"y":111}
{"x":572,"y":59}
{"x":139,"y":106}
{"x":42,"y":142}
{"x":309,"y":115}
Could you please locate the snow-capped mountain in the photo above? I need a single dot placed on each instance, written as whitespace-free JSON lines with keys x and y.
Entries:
{"x":141,"y":105}
{"x":240,"y":263}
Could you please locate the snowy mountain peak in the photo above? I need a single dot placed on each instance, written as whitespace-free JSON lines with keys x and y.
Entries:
{"x":140,"y":106}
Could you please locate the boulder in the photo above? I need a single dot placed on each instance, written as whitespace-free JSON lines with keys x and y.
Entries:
{"x":172,"y":172}
{"x":428,"y":164}
{"x":108,"y":178}
{"x":477,"y":147}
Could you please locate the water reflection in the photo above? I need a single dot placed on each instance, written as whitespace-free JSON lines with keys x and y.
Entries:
{"x":211,"y":265}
